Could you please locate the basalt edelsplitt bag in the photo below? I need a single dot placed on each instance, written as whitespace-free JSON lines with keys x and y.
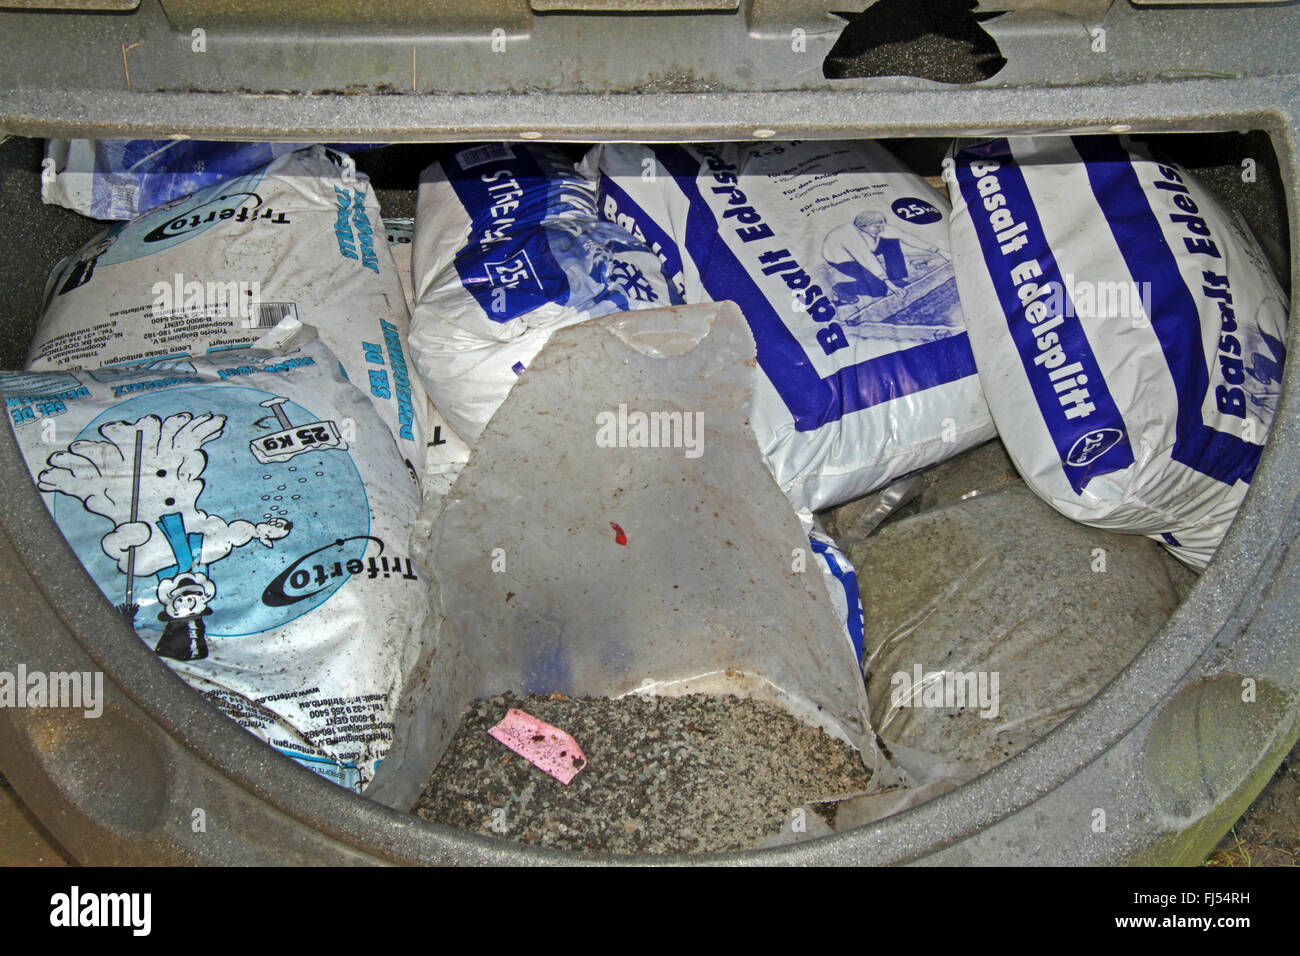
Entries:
{"x":1127,"y":329}
{"x":445,"y":452}
{"x":838,"y":257}
{"x":249,"y":514}
{"x":300,"y":237}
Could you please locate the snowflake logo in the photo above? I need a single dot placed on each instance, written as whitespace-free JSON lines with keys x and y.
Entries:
{"x":632,"y":281}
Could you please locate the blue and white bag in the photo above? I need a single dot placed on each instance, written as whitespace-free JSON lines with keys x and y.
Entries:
{"x":1127,"y":329}
{"x":841,"y":582}
{"x":300,"y":237}
{"x":838,"y":257}
{"x":248,"y":513}
{"x":508,"y":248}
{"x":125,"y":178}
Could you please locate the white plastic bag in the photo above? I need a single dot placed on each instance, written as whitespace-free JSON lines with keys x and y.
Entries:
{"x":508,"y":248}
{"x":446,"y":452}
{"x":401,"y":234}
{"x":838,"y":257}
{"x":300,"y":237}
{"x":249,"y":513}
{"x":563,"y":564}
{"x":1127,"y":329}
{"x":124,"y":178}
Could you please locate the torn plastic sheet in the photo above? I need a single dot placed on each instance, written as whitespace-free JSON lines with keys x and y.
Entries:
{"x":715,"y":592}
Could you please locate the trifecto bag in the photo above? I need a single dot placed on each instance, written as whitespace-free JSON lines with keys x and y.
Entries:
{"x":300,"y":237}
{"x":125,"y":178}
{"x":249,"y":514}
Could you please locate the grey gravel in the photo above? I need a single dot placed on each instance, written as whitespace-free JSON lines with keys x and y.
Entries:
{"x":939,"y":40}
{"x":664,"y":774}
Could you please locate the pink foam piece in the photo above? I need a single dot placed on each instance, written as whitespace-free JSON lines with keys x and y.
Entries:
{"x":545,"y":747}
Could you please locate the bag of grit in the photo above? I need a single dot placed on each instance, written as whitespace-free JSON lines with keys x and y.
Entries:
{"x":125,"y":178}
{"x":300,"y":237}
{"x":445,"y":451}
{"x":248,"y":513}
{"x":508,"y":248}
{"x":838,"y":256}
{"x":1127,"y":329}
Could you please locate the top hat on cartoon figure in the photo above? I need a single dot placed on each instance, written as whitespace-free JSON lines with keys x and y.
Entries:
{"x":186,"y":594}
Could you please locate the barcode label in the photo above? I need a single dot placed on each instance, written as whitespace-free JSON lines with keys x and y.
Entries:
{"x":123,"y":201}
{"x":267,"y":315}
{"x":487,"y":153}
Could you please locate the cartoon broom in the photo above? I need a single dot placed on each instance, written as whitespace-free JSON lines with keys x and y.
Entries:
{"x":129,"y":608}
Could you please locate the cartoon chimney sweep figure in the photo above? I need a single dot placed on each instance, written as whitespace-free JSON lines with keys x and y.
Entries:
{"x":184,"y":591}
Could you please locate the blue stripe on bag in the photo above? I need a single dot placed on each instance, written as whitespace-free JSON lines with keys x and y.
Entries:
{"x":1175,"y":318}
{"x":1076,"y":440}
{"x":655,"y":237}
{"x":813,"y":401}
{"x":848,"y":580}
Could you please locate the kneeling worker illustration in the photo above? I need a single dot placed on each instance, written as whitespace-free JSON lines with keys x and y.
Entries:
{"x":869,"y":253}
